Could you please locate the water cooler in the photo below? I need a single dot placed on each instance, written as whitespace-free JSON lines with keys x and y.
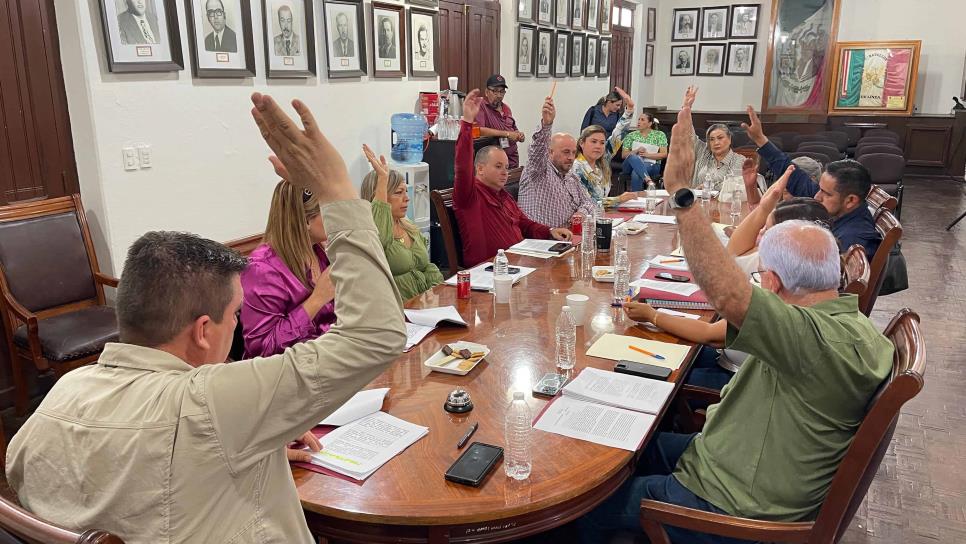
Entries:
{"x":417,"y":185}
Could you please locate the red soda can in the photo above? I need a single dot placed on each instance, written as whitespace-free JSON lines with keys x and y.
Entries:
{"x":463,"y":284}
{"x":577,"y":224}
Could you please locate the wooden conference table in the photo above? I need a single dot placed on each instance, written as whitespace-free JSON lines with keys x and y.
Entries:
{"x":408,"y":500}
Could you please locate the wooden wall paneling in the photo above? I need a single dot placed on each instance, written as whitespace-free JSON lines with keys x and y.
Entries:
{"x":927,"y":145}
{"x":452,"y":43}
{"x":622,"y":58}
{"x":482,"y":47}
{"x":957,"y":146}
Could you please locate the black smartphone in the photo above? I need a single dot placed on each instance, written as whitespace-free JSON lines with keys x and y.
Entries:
{"x":560,"y":247}
{"x":476,"y":462}
{"x":667,"y":276}
{"x":642,"y":370}
{"x":549,"y":385}
{"x":511,"y":269}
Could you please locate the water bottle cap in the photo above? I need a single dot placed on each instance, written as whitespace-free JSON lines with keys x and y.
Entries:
{"x":518,"y":395}
{"x":500,"y":252}
{"x":565,"y":309}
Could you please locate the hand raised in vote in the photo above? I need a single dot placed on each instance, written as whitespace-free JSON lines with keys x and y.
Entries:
{"x":471,"y":105}
{"x":628,"y":102}
{"x":304,"y":156}
{"x":749,"y":173}
{"x":549,"y":112}
{"x":304,"y":456}
{"x":754,"y":129}
{"x":561,"y":234}
{"x":775,"y":193}
{"x":380,"y":165}
{"x":679,"y":168}
{"x":689,"y":95}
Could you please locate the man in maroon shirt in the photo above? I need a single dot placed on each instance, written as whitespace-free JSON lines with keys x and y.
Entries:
{"x":496,"y":120}
{"x":489,"y":219}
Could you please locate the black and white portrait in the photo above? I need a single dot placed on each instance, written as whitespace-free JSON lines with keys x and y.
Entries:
{"x":648,"y":60}
{"x":577,"y":17}
{"x":685,"y":25}
{"x":544,"y":52}
{"x":141,"y":35}
{"x":604,"y":16}
{"x":741,"y":58}
{"x":563,"y":13}
{"x":714,"y":22}
{"x":576,"y":54}
{"x":592,"y":14}
{"x":711,"y":59}
{"x":544,"y":12}
{"x":525,"y":37}
{"x":344,"y":38}
{"x":591,"y":69}
{"x":560,"y":66}
{"x":651,"y":24}
{"x":603,"y":65}
{"x":744,"y":21}
{"x":222,"y":37}
{"x":682,"y":60}
{"x":388,"y":33}
{"x":288,"y":23}
{"x":221,"y":31}
{"x":422,"y":42}
{"x":525,"y":11}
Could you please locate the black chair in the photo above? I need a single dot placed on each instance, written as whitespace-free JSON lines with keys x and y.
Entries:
{"x":740,"y":139}
{"x":840,"y":139}
{"x":814,"y":138}
{"x":878,"y":140}
{"x":789,"y":140}
{"x":820,"y":157}
{"x":777,"y":141}
{"x":883,"y":132}
{"x":827,"y":148}
{"x":868,"y":149}
{"x":886,"y":170}
{"x":854,"y":134}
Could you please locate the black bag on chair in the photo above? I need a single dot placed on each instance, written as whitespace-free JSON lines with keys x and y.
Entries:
{"x":896,"y":277}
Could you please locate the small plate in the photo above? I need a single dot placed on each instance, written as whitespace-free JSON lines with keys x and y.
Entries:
{"x":453,"y":367}
{"x":634,"y":227}
{"x":603,"y":274}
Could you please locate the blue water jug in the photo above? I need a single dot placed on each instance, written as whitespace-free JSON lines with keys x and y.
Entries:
{"x":407,"y":137}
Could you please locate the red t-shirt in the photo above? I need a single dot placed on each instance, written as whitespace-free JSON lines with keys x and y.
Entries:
{"x":501,"y":119}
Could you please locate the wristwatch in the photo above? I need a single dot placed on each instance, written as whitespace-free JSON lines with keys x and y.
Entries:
{"x":681,"y":199}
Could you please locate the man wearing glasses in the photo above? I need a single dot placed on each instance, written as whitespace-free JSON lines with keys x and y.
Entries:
{"x":222,"y":40}
{"x":496,"y":120}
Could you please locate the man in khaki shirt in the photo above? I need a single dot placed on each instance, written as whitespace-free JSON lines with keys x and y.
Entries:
{"x":159,"y":443}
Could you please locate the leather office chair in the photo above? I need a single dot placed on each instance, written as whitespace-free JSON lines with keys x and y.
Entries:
{"x":820,"y":157}
{"x":882,"y":133}
{"x":840,"y":139}
{"x":855,"y":271}
{"x":18,"y":526}
{"x":443,"y":202}
{"x":851,"y":480}
{"x":891,"y":232}
{"x":828,"y":148}
{"x":789,"y":140}
{"x":879,"y":140}
{"x":53,"y":291}
{"x":813,"y":138}
{"x":886,"y":170}
{"x":867,"y":148}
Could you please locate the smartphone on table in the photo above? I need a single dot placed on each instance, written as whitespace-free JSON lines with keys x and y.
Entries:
{"x":667,"y":276}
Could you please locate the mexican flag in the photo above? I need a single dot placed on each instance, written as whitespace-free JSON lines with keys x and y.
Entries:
{"x":873,"y":78}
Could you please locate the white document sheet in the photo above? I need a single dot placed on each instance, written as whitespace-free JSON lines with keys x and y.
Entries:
{"x":605,"y":425}
{"x":481,"y":280}
{"x":619,"y":390}
{"x":361,"y":447}
{"x":668,"y":262}
{"x":683,"y":289}
{"x":430,"y":317}
{"x":616,"y":347}
{"x":649,"y":148}
{"x":415,"y":334}
{"x":667,"y":311}
{"x":651,"y":218}
{"x":360,"y":405}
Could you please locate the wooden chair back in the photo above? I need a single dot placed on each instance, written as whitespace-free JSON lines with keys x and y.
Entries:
{"x":891,"y":232}
{"x":855,"y":271}
{"x":18,"y":526}
{"x":443,"y":202}
{"x":879,"y":199}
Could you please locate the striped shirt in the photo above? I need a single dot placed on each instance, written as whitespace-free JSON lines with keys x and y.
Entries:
{"x":705,"y":163}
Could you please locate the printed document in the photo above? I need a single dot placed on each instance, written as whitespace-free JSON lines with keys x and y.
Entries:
{"x":361,"y":447}
{"x":431,"y":317}
{"x":481,"y":280}
{"x":415,"y":334}
{"x":619,"y":390}
{"x":683,"y":289}
{"x":605,"y":425}
{"x":360,"y":405}
{"x":651,"y":218}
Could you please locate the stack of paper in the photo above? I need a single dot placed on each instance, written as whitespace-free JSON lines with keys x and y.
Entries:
{"x":424,"y":321}
{"x":669,"y":262}
{"x":361,"y":447}
{"x":648,"y":148}
{"x":651,"y":218}
{"x":675,"y":288}
{"x":360,"y":405}
{"x":481,"y":280}
{"x":415,"y":334}
{"x":538,"y":248}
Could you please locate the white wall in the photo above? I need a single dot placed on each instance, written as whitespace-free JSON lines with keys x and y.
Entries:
{"x":644,"y":86}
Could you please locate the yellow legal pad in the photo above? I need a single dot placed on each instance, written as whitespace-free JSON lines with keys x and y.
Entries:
{"x":614,"y":347}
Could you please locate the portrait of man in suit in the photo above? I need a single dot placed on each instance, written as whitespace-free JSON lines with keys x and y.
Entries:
{"x":342,"y":45}
{"x":561,"y":63}
{"x":138,"y":25}
{"x":525,"y":50}
{"x":715,"y":26}
{"x":222,"y":38}
{"x":543,"y":60}
{"x":423,"y":52}
{"x":286,"y":42}
{"x":387,"y":37}
{"x":684,"y":60}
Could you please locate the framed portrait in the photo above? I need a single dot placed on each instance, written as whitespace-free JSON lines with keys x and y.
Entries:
{"x":289,"y":29}
{"x":561,"y":42}
{"x":141,"y":35}
{"x":525,"y":40}
{"x":579,"y":8}
{"x":648,"y":60}
{"x":545,"y":12}
{"x":799,"y":59}
{"x":423,"y":28}
{"x":605,"y":13}
{"x":427,"y":3}
{"x":388,"y":40}
{"x":603,"y":63}
{"x":221,"y":37}
{"x":577,"y":54}
{"x":544,"y":52}
{"x":714,"y":23}
{"x":741,"y":58}
{"x":874,"y":77}
{"x":562,"y":13}
{"x":345,"y":38}
{"x":682,"y":60}
{"x":525,"y":12}
{"x":590,"y":68}
{"x":711,"y":59}
{"x":651,"y":24}
{"x":744,"y":21}
{"x":593,"y":9}
{"x":685,"y":23}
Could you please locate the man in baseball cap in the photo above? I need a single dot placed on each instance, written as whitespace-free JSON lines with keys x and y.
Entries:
{"x":496,"y":120}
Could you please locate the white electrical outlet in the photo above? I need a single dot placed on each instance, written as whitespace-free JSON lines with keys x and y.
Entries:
{"x":144,"y":155}
{"x":130,"y":155}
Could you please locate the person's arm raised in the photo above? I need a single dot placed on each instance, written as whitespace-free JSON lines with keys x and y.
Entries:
{"x":381,"y":167}
{"x":714,"y":270}
{"x":799,"y":184}
{"x":464,"y":175}
{"x":539,"y":151}
{"x":743,"y":239}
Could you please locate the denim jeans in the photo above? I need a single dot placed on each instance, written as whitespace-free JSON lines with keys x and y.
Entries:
{"x":706,"y":372}
{"x":637,"y":168}
{"x":622,"y":510}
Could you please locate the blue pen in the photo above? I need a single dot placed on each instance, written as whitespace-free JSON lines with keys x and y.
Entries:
{"x":645,"y":352}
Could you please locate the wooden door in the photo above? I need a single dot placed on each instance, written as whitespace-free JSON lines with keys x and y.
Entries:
{"x":469,"y":42}
{"x":622,"y":45}
{"x":452,"y":43}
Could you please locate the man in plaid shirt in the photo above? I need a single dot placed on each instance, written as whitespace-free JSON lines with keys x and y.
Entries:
{"x":549,"y":193}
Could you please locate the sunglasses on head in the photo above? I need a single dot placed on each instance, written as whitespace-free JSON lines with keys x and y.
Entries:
{"x":306,"y":195}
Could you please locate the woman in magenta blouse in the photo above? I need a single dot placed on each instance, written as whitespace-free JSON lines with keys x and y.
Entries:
{"x":288,"y":292}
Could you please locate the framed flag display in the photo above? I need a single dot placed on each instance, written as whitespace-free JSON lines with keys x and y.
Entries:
{"x":874,"y":77}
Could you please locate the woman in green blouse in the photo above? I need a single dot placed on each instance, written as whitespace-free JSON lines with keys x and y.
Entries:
{"x":641,"y":163}
{"x":404,"y":246}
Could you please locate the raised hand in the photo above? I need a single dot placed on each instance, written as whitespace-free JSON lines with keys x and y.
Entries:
{"x":689,"y":96}
{"x":774,"y":193}
{"x":379,"y":165}
{"x":754,"y":130}
{"x":304,"y":156}
{"x":679,"y":168}
{"x":628,"y":103}
{"x":749,"y":172}
{"x":549,"y":112}
{"x":471,"y":105}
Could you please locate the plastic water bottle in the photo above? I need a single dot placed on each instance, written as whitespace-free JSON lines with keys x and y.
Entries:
{"x":706,"y":192}
{"x":501,"y":266}
{"x":588,"y":247}
{"x":518,"y":430}
{"x":407,"y":137}
{"x":622,"y":270}
{"x":650,"y":196}
{"x":618,"y":241}
{"x":566,"y":339}
{"x":735,"y":206}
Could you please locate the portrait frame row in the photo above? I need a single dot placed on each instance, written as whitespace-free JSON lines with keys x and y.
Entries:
{"x":592,"y":57}
{"x":585,"y":15}
{"x":737,"y":21}
{"x":711,"y":59}
{"x":144,"y":36}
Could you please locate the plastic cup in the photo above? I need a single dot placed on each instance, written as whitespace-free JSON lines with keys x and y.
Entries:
{"x":578,"y":306}
{"x":501,"y":288}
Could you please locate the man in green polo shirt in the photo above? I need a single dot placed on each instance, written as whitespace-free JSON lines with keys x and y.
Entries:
{"x":770,"y":448}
